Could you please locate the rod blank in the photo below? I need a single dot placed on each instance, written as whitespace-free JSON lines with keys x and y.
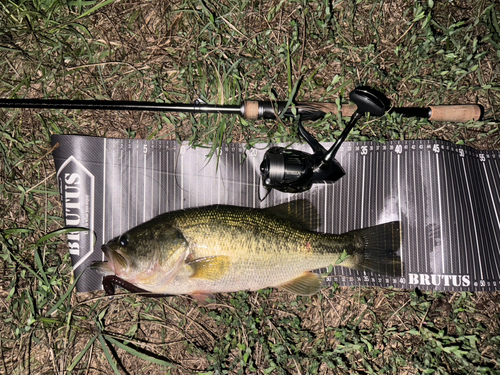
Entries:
{"x":251,"y":110}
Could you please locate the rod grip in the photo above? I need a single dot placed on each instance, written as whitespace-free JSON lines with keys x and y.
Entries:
{"x":251,"y":109}
{"x":455,"y":113}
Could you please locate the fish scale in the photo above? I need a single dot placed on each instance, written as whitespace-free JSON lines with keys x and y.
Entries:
{"x":201,"y":251}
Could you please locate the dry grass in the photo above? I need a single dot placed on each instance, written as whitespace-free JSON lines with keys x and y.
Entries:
{"x":226,"y":52}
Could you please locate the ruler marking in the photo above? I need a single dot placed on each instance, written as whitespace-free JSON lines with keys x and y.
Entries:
{"x":407,"y":207}
{"x":416,"y":210}
{"x":494,"y":163}
{"x":430,"y":190}
{"x":446,"y":190}
{"x":422,"y":190}
{"x":363,"y":191}
{"x":433,"y":260}
{"x":325,"y":213}
{"x":113,"y":178}
{"x":121,"y":186}
{"x":129,"y":153}
{"x":137,"y":185}
{"x":144,"y":188}
{"x":182,"y":175}
{"x":398,"y":166}
{"x":103,"y":199}
{"x":348,"y":194}
{"x":160,"y":177}
{"x":492,"y":197}
{"x":440,"y":204}
{"x":473,"y":220}
{"x":465,"y":213}
{"x":494,"y":234}
{"x":454,"y":168}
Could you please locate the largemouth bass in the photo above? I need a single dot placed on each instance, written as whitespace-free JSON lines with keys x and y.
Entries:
{"x":213,"y":249}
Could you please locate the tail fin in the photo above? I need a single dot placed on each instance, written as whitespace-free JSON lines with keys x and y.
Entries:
{"x":376,"y":248}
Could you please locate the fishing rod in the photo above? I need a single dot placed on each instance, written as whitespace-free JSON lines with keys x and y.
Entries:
{"x":283,"y":169}
{"x":251,"y":109}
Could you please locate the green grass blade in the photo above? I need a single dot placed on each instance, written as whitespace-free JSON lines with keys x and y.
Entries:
{"x":108,"y":355}
{"x":64,"y":297}
{"x":39,"y":264}
{"x":58,"y":232}
{"x":80,"y":355}
{"x":23,"y":264}
{"x":291,"y":97}
{"x":95,"y":8}
{"x":17,"y":231}
{"x":139,"y":354}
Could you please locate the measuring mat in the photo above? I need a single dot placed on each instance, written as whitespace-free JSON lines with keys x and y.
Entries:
{"x":446,"y":196}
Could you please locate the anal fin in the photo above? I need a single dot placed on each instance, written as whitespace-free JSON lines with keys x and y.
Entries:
{"x":305,"y":285}
{"x":209,"y":268}
{"x":201,"y":297}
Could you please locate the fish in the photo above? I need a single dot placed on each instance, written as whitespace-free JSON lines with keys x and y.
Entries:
{"x":221,"y":248}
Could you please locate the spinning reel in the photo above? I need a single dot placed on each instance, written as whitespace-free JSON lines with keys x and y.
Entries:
{"x":294,"y":171}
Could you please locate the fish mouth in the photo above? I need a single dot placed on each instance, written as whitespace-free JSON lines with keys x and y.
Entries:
{"x":103,"y":268}
{"x":115,"y":262}
{"x":106,"y":250}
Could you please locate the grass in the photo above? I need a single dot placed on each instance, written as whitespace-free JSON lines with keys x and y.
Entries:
{"x":418,"y":53}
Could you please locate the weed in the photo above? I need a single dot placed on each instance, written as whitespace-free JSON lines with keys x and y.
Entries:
{"x":418,"y":53}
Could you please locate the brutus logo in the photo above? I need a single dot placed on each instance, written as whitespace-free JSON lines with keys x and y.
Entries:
{"x":76,"y":186}
{"x":72,"y":209}
{"x":444,"y":280}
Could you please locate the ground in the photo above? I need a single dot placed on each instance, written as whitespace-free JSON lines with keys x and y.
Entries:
{"x":418,"y":53}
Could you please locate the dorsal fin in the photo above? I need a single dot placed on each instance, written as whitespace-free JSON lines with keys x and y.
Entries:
{"x":300,"y":212}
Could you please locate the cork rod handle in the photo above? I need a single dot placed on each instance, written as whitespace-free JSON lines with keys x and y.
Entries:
{"x":450,"y":113}
{"x":455,"y":113}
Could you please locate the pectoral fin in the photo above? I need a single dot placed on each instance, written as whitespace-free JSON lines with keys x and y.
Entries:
{"x":209,"y":268}
{"x":305,"y":285}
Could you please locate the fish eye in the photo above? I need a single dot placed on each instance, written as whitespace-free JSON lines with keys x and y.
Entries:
{"x":123,"y":240}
